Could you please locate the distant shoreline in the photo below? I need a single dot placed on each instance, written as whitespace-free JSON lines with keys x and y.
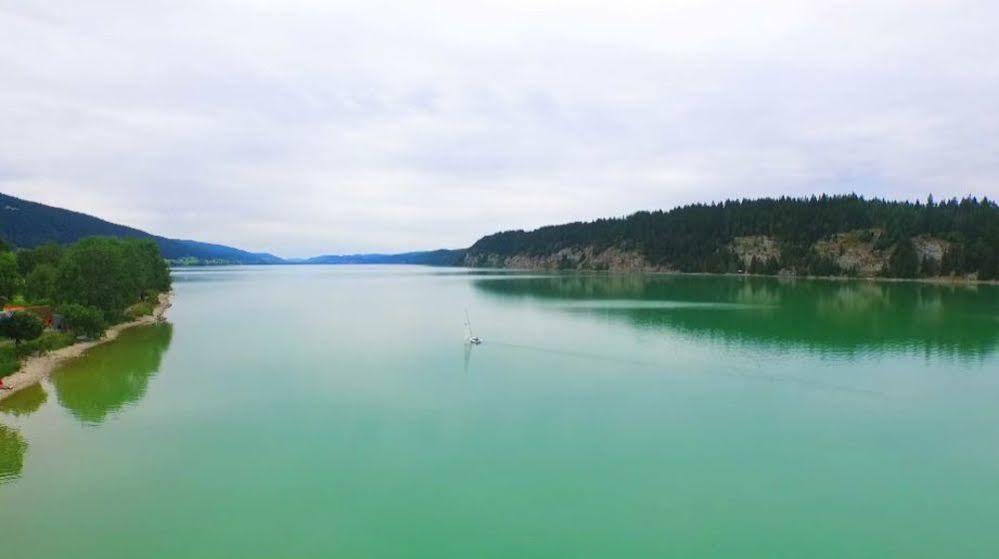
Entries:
{"x":38,"y":367}
{"x":935,"y":280}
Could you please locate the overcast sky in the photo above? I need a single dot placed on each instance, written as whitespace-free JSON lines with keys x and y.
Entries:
{"x":303,"y":128}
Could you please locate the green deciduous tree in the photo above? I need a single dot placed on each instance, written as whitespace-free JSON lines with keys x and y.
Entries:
{"x":92,"y":273}
{"x":10,"y":279}
{"x":40,"y":284}
{"x":21,"y":326}
{"x":28,"y":259}
{"x":84,"y":321}
{"x":110,"y":274}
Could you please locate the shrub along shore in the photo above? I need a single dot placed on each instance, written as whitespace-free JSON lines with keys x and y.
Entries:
{"x":56,"y":296}
{"x":39,"y":366}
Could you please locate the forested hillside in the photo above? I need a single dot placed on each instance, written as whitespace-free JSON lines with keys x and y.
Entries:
{"x":27,"y":224}
{"x":827,"y":235}
{"x":441,"y":257}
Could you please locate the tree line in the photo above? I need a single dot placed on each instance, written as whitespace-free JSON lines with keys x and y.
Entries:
{"x":698,"y":237}
{"x":92,"y":283}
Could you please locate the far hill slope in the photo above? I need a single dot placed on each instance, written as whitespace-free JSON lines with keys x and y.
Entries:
{"x":441,"y":257}
{"x":824,"y":236}
{"x":28,"y":224}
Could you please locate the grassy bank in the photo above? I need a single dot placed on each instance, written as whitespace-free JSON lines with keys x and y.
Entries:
{"x":46,"y":356}
{"x":11,"y":355}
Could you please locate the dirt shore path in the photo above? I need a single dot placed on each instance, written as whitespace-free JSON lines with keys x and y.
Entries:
{"x":34,"y":369}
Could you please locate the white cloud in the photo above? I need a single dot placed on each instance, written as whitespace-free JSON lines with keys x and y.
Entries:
{"x":316,"y":127}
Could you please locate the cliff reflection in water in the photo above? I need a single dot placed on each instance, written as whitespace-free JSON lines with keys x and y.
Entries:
{"x":109,"y":377}
{"x":821,"y":316}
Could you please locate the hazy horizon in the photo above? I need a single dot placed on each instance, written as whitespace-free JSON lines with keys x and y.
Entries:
{"x":302,"y":128}
{"x":430,"y":249}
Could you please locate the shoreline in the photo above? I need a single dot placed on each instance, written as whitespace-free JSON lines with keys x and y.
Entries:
{"x":38,"y":367}
{"x":941,"y":280}
{"x":948,"y":281}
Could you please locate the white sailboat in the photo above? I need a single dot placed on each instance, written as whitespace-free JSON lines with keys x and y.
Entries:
{"x":469,"y":338}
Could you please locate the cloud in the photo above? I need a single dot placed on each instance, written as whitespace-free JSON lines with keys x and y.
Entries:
{"x":314,"y":127}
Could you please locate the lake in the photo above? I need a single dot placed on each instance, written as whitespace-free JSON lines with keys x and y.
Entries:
{"x":336,"y":412}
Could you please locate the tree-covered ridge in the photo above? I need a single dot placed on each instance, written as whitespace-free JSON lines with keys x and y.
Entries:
{"x":28,"y":224}
{"x":699,"y":237}
{"x":440,"y":257}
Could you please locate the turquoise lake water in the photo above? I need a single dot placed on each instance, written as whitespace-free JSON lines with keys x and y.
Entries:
{"x":336,"y":412}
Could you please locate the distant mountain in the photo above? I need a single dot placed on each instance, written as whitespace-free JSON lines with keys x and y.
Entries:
{"x":816,"y":236}
{"x":441,"y":257}
{"x":28,"y":224}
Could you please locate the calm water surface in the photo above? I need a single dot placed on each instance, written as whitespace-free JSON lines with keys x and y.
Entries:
{"x":335,"y":412}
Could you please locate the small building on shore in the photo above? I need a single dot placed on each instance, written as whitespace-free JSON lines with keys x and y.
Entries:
{"x":43,"y":312}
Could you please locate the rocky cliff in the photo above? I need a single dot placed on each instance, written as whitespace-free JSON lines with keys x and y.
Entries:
{"x":861,"y":253}
{"x":572,"y":258}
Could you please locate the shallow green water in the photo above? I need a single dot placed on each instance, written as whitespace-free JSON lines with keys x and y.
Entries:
{"x":335,"y":412}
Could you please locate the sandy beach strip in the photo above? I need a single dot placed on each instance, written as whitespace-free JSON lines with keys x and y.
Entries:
{"x":38,"y":367}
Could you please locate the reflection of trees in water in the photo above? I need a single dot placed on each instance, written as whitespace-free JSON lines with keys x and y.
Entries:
{"x":12,"y":449}
{"x":831,"y":316}
{"x":111,"y":376}
{"x":853,"y":298}
{"x":571,"y":286}
{"x":24,"y":402}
